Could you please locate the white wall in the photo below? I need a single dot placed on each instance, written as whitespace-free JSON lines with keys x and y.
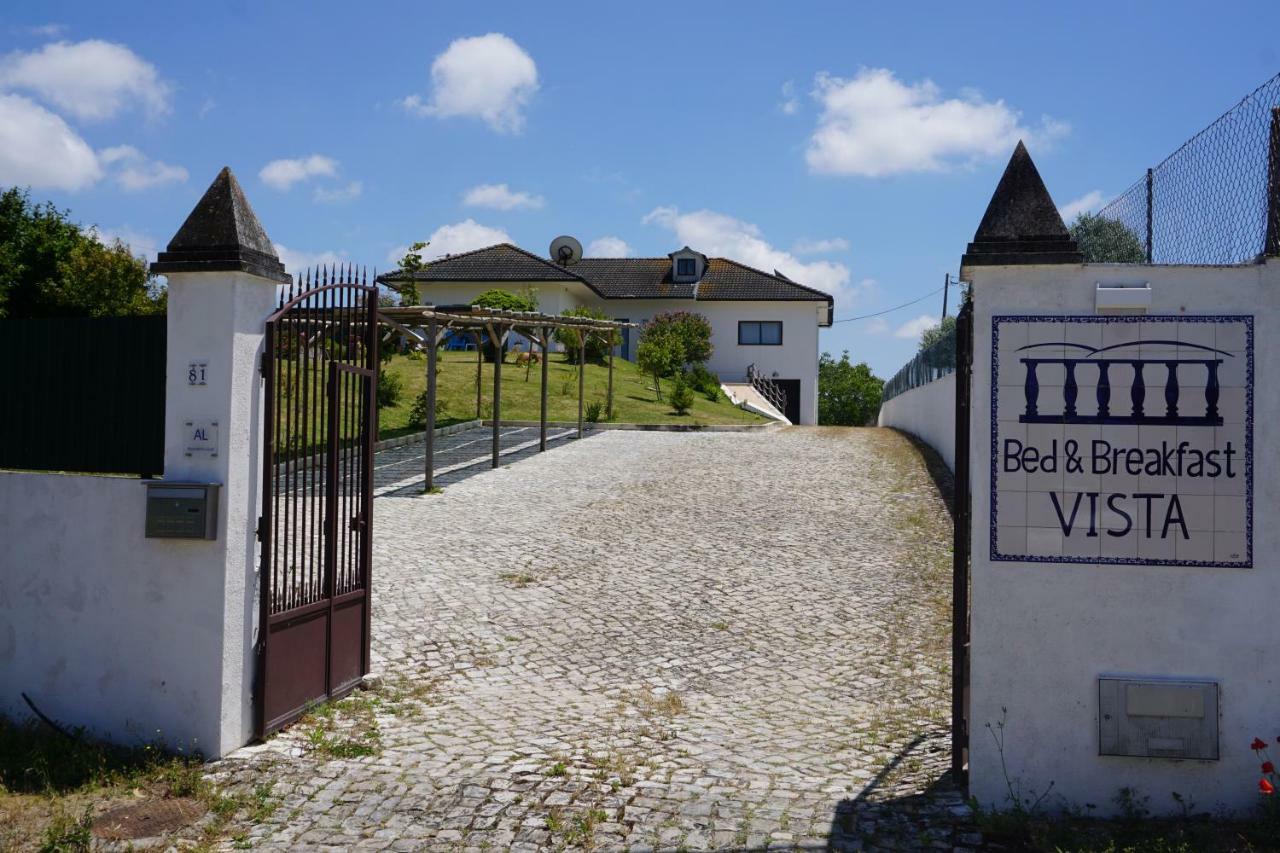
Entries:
{"x":1043,"y":633}
{"x":929,"y":413}
{"x":100,"y":626}
{"x":148,"y":639}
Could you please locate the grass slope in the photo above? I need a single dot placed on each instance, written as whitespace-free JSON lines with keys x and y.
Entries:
{"x":633,"y":394}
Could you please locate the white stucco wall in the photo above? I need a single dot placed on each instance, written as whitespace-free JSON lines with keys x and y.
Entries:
{"x":147,"y":639}
{"x":929,"y":413}
{"x":100,"y":626}
{"x":1044,"y":632}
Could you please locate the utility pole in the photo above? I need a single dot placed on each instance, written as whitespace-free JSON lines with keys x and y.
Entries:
{"x":946,"y":285}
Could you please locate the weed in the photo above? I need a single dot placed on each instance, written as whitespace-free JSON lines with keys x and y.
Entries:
{"x":720,"y":625}
{"x":558,"y":769}
{"x":519,"y":580}
{"x":67,"y":834}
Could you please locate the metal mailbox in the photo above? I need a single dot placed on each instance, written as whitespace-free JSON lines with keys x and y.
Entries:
{"x":182,"y":510}
{"x":1157,"y":718}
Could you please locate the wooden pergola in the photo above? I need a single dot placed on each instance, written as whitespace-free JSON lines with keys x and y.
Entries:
{"x":424,"y":327}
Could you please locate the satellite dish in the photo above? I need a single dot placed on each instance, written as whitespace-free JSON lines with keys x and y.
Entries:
{"x":566,"y":250}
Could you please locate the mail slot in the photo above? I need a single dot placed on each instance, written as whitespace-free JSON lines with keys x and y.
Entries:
{"x":182,"y":510}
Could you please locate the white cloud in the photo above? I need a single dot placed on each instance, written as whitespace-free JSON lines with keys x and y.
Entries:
{"x":1087,"y":203}
{"x":92,"y":80}
{"x":820,"y":247}
{"x":913,"y":329}
{"x":875,"y":125}
{"x":500,"y":197}
{"x":338,"y":194}
{"x":876,"y":326}
{"x":608,"y":247}
{"x":139,"y":242}
{"x":206,"y":107}
{"x":454,"y":239}
{"x":489,"y":77}
{"x":135,"y":171}
{"x":790,"y":104}
{"x":715,"y":233}
{"x":47,"y":30}
{"x":296,"y":260}
{"x":38,"y":149}
{"x":283,"y":174}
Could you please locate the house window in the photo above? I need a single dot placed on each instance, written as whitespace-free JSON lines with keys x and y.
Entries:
{"x":762,"y":333}
{"x":685,"y":267}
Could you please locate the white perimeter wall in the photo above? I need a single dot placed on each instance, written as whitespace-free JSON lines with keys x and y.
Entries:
{"x":929,"y":413}
{"x":1043,"y":633}
{"x":100,"y":626}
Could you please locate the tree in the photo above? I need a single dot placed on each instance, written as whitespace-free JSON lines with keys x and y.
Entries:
{"x":1105,"y":240}
{"x":410,"y":265}
{"x":52,"y":267}
{"x":659,"y":354}
{"x":848,"y":394}
{"x":502,"y":300}
{"x":597,"y":344}
{"x":938,"y":344}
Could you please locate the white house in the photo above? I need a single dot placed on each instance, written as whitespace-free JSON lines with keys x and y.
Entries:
{"x":757,"y":318}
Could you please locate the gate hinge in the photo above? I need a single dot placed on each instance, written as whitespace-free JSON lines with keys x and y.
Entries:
{"x":262,"y":365}
{"x":258,"y":531}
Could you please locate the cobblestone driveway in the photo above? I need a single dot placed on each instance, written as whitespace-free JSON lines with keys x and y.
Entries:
{"x":651,"y":640}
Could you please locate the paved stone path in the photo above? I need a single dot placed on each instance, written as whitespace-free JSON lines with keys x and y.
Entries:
{"x":644,"y":641}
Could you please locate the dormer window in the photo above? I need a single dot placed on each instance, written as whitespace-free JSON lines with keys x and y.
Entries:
{"x":687,"y":266}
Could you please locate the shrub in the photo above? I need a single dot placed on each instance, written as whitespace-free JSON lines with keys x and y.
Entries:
{"x":390,"y":386}
{"x":704,"y":382}
{"x":681,"y":396}
{"x":597,"y":344}
{"x":418,"y":411}
{"x":594,"y":411}
{"x":691,"y":332}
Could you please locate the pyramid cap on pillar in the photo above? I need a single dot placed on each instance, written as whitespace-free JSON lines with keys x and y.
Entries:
{"x":222,"y":234}
{"x":1022,"y":224}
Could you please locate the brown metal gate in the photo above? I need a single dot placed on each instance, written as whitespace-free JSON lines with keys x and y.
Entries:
{"x":320,"y":368}
{"x":962,"y":546}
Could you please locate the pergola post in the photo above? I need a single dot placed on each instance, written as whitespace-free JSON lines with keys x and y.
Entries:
{"x":544,"y":339}
{"x":497,"y":391}
{"x":429,"y":438}
{"x":609,"y":393}
{"x":479,"y":370}
{"x":582,"y":374}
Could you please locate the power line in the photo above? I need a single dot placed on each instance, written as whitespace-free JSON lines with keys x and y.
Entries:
{"x":891,"y":310}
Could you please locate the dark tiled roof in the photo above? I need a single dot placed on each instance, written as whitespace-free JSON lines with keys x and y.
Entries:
{"x":620,"y":278}
{"x":503,"y":262}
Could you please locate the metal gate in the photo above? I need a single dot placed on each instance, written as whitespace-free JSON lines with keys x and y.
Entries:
{"x":962,"y":546}
{"x":320,"y":370}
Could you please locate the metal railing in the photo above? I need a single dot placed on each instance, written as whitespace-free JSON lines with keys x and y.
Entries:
{"x":1215,"y":200}
{"x":933,"y":362}
{"x":770,"y":390}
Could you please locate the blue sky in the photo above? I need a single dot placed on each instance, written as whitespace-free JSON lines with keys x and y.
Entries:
{"x":852,"y":146}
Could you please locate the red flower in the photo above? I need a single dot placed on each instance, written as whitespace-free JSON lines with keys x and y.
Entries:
{"x":1268,"y":767}
{"x":1258,"y":743}
{"x":1266,"y":787}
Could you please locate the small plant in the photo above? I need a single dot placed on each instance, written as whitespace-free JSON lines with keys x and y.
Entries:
{"x":681,"y":396}
{"x":66,"y":834}
{"x":1267,"y":783}
{"x":704,"y":382}
{"x":1023,"y":807}
{"x":519,"y":580}
{"x":594,"y":411}
{"x":390,"y":387}
{"x":557,"y":770}
{"x":418,"y":411}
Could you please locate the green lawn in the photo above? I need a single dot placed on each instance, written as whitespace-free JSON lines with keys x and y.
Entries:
{"x":633,"y":394}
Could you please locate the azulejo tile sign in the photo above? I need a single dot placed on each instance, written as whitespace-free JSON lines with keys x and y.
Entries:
{"x":1122,"y":439}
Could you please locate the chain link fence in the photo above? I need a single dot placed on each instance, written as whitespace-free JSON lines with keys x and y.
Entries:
{"x":1213,"y":201}
{"x":933,"y":362}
